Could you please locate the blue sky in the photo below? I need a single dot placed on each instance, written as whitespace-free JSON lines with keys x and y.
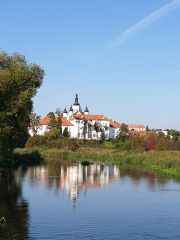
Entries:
{"x":121,"y":56}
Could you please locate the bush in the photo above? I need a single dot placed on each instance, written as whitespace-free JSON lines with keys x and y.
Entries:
{"x":108,"y":144}
{"x":35,"y":141}
{"x":65,"y":144}
{"x":53,"y":134}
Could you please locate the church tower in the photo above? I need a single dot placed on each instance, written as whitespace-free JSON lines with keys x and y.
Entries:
{"x":76,"y":106}
{"x":86,"y":111}
{"x":65,"y":113}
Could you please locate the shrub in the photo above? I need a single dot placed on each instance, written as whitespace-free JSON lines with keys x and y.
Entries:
{"x":108,"y":144}
{"x":36,"y":140}
{"x":54,"y":133}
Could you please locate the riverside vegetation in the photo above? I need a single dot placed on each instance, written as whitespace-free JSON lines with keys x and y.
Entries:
{"x":150,"y":150}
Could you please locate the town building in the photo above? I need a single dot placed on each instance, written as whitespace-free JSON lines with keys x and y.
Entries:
{"x":83,"y":125}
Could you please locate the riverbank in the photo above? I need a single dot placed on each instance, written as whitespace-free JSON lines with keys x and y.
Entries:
{"x":21,"y":157}
{"x":166,"y":162}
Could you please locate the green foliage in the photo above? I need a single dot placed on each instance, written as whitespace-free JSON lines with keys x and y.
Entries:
{"x":97,"y":127}
{"x":36,"y":141}
{"x":53,"y":134}
{"x":123,"y":135}
{"x":52,"y":122}
{"x":34,"y":123}
{"x":55,"y":121}
{"x":19,"y":81}
{"x":66,"y":134}
{"x":108,"y":145}
{"x":161,"y":142}
{"x":85,"y":128}
{"x":174,"y":134}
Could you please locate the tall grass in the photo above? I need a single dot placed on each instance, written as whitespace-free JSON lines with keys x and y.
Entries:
{"x":167,"y":162}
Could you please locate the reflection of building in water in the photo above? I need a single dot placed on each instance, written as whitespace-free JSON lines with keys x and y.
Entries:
{"x":76,"y":178}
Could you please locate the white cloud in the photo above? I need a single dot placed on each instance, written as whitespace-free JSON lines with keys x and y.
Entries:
{"x":145,"y":22}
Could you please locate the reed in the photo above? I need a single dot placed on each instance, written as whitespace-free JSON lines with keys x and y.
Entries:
{"x":167,"y":162}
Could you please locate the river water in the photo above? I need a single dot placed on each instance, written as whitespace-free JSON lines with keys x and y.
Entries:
{"x":70,"y":201}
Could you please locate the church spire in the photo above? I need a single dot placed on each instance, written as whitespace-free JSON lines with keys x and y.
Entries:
{"x":86,"y":111}
{"x":65,"y":111}
{"x":76,"y":100}
{"x":71,"y":109}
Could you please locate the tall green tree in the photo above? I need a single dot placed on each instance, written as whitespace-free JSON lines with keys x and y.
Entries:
{"x":55,"y":121}
{"x":174,"y":134}
{"x":99,"y":129}
{"x":123,"y":135}
{"x":66,"y":133}
{"x":59,"y":115}
{"x":52,"y":122}
{"x":85,"y":127}
{"x":19,"y":81}
{"x":34,"y":123}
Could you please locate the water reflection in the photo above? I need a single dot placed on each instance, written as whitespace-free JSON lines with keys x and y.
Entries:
{"x":13,"y":208}
{"x":75,"y":178}
{"x":137,"y":175}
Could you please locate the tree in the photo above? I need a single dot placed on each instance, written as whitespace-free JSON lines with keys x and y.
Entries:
{"x":123,"y":133}
{"x":59,"y":119}
{"x":52,"y":120}
{"x":52,"y":134}
{"x":97,"y":128}
{"x":34,"y":123}
{"x":66,"y":133}
{"x":150,"y":141}
{"x":103,"y":135}
{"x":55,"y":121}
{"x":174,"y":135}
{"x":147,"y":129}
{"x":161,"y":142}
{"x":19,"y":82}
{"x":85,"y":128}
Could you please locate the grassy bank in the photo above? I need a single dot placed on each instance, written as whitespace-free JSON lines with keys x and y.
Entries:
{"x":167,"y":162}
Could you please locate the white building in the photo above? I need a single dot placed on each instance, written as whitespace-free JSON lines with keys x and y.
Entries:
{"x":83,"y":125}
{"x":114,"y":129}
{"x":44,"y":126}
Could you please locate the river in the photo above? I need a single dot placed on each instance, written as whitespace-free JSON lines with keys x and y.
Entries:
{"x":60,"y":200}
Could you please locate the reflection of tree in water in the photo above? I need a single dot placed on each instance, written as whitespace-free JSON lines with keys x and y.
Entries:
{"x":13,"y":208}
{"x":137,"y":173}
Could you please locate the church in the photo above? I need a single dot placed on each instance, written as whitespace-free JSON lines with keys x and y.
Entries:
{"x":83,"y":125}
{"x":75,"y":109}
{"x":86,"y":125}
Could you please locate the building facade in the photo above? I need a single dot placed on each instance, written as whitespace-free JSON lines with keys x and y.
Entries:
{"x":83,"y":125}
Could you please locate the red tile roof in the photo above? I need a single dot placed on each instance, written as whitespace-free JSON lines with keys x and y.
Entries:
{"x":135,"y":126}
{"x":92,"y":117}
{"x":65,"y":122}
{"x":46,"y":121}
{"x":114,"y":124}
